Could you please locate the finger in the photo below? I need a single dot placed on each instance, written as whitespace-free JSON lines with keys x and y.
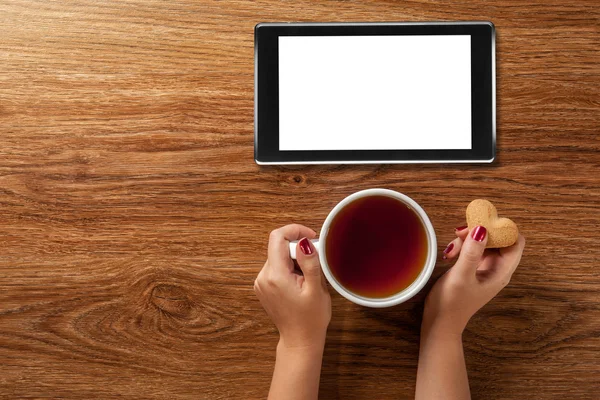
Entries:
{"x":462,"y":232}
{"x":511,"y":256}
{"x":260,"y":279}
{"x":308,"y":260}
{"x":472,"y":251}
{"x":278,"y":252}
{"x":453,"y":249}
{"x":488,"y":261}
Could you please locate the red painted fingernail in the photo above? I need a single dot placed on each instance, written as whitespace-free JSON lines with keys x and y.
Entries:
{"x":449,"y":248}
{"x":305,"y":246}
{"x":478,"y":233}
{"x":460,"y":228}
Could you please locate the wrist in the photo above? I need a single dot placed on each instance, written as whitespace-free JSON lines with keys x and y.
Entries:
{"x":311,"y":349}
{"x":300,"y":357}
{"x":441,"y":330}
{"x":434,"y":324}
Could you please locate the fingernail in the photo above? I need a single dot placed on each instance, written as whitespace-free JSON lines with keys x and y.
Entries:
{"x":305,"y":246}
{"x":460,"y":228}
{"x":478,"y":233}
{"x":449,"y":248}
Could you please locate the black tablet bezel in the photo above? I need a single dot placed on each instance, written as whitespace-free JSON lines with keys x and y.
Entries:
{"x":266,"y":96}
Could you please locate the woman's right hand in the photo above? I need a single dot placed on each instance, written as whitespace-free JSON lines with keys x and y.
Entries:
{"x":298,"y":304}
{"x":477,"y":277}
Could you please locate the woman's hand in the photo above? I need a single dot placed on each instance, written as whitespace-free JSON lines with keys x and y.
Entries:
{"x":297,"y":302}
{"x":478,"y":275}
{"x":474,"y":280}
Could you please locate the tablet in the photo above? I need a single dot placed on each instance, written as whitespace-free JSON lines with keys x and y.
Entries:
{"x":374,"y":93}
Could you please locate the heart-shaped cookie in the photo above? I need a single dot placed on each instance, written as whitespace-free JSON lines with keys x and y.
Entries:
{"x":502,"y":232}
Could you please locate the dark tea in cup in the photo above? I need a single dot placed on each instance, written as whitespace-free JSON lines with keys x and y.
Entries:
{"x":376,"y":246}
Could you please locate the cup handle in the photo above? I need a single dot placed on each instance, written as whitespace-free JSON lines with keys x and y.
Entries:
{"x":293,"y":246}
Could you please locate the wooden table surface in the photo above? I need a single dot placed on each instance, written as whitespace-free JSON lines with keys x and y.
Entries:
{"x":133,"y":218}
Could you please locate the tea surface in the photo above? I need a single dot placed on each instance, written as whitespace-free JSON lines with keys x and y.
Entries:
{"x":376,"y":246}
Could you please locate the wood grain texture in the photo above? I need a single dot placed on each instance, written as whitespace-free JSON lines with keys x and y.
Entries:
{"x":133,"y":219}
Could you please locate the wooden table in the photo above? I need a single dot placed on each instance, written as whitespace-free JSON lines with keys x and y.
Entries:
{"x":133,"y":218}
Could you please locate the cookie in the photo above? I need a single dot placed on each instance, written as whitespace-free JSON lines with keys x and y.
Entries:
{"x":502,"y":232}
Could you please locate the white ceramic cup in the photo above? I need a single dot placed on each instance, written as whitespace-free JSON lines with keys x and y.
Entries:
{"x":399,"y":297}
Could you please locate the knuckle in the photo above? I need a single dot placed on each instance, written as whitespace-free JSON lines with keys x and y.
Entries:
{"x":471,"y":255}
{"x":311,"y":268}
{"x":309,"y":262}
{"x":456,"y":284}
{"x":272,"y":281}
{"x":274,"y":235}
{"x":260,"y":277}
{"x":294,"y":228}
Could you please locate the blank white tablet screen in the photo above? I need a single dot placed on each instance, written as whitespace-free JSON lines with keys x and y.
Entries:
{"x":374,"y":92}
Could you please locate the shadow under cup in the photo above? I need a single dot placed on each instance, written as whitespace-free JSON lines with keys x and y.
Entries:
{"x":378,"y":248}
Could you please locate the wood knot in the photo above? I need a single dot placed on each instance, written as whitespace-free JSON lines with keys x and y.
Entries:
{"x":299,"y":179}
{"x":171,"y":299}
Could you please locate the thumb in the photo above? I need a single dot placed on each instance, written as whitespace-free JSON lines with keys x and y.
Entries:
{"x":308,"y":261}
{"x":472,"y":251}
